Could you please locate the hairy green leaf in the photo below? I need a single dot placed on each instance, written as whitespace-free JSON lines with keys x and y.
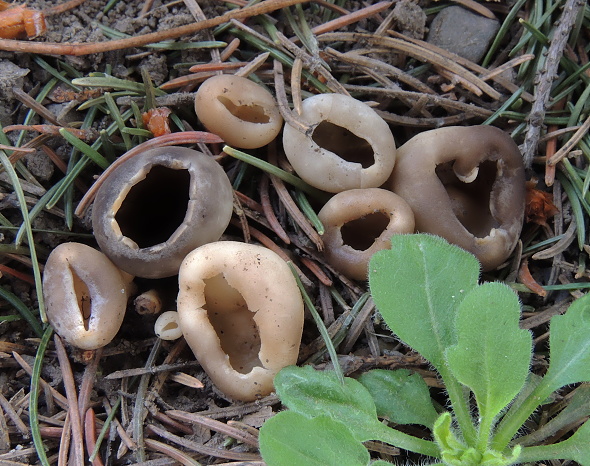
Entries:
{"x":417,"y":286}
{"x":570,"y":346}
{"x":493,"y":354}
{"x":290,"y":438}
{"x":575,"y":448}
{"x":315,"y":393}
{"x":401,"y":396}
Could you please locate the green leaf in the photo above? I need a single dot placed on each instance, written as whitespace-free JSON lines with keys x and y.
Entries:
{"x":315,"y":393}
{"x":492,"y":356}
{"x":575,"y":448}
{"x":290,"y":438}
{"x":570,"y":346}
{"x":401,"y":396}
{"x":417,"y":286}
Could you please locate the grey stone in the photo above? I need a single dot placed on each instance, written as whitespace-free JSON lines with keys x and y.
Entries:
{"x":462,"y":32}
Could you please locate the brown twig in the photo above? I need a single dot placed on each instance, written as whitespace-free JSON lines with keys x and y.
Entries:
{"x":545,"y":78}
{"x":52,"y":48}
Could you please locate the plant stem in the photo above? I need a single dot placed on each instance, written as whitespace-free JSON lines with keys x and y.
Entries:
{"x":460,"y":406}
{"x":407,"y":442}
{"x":515,"y":418}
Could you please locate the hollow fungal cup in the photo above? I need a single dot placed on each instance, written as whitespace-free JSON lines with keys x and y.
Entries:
{"x":85,"y":295}
{"x":466,"y":184}
{"x":158,"y":206}
{"x":360,"y":222}
{"x":241,"y":312}
{"x":350,"y":145}
{"x":241,"y":112}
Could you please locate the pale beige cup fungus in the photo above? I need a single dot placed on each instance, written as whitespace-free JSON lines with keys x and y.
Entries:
{"x":85,"y":295}
{"x":466,"y":184}
{"x":350,"y":145}
{"x":241,"y":112}
{"x":155,"y":208}
{"x":360,"y":222}
{"x":167,"y":327}
{"x":241,"y":312}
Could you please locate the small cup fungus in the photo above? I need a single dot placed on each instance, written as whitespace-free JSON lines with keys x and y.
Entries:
{"x":360,"y":222}
{"x":158,"y":206}
{"x":241,"y":312}
{"x":350,"y":147}
{"x":239,"y":111}
{"x":466,"y":184}
{"x":85,"y":295}
{"x":167,"y":327}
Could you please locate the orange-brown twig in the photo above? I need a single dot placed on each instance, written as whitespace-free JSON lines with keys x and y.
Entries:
{"x":53,"y":48}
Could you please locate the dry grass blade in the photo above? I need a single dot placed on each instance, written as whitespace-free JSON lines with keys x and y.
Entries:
{"x":77,"y":455}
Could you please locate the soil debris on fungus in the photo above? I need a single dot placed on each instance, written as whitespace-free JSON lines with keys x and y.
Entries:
{"x":106,"y":79}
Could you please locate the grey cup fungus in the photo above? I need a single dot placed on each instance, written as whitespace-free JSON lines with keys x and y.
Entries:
{"x":241,"y":312}
{"x":85,"y":295}
{"x":350,"y":146}
{"x":360,"y":222}
{"x":466,"y":184}
{"x":158,"y":206}
{"x":241,"y":112}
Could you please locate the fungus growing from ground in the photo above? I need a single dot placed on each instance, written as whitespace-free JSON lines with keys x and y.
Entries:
{"x":350,"y":146}
{"x":239,"y":111}
{"x":241,"y":313}
{"x":466,"y":184}
{"x":167,"y":327}
{"x":85,"y":294}
{"x":360,"y":222}
{"x":158,"y":206}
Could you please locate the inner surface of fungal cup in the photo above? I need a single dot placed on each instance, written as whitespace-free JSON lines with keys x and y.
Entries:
{"x":241,"y":312}
{"x":466,"y":184}
{"x":360,"y":222}
{"x":158,"y":206}
{"x":349,"y":147}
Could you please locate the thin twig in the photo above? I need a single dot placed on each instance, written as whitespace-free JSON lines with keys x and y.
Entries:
{"x":546,"y":76}
{"x":52,"y":48}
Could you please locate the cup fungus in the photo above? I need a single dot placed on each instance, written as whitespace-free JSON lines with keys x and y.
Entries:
{"x":466,"y":184}
{"x":241,"y":312}
{"x":166,"y":326}
{"x":350,"y":146}
{"x":158,"y":206}
{"x":239,"y":111}
{"x":360,"y":222}
{"x":85,"y":294}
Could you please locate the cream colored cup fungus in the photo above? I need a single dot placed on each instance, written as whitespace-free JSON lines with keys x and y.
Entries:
{"x":350,"y":147}
{"x":238,"y":110}
{"x":85,"y":295}
{"x":167,"y":327}
{"x":158,"y":206}
{"x":241,"y":313}
{"x":360,"y":222}
{"x":466,"y":184}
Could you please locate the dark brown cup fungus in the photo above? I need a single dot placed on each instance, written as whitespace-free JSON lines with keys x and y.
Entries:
{"x":85,"y":294}
{"x":466,"y":184}
{"x":239,"y":111}
{"x":158,"y":206}
{"x":350,"y":146}
{"x":360,"y":222}
{"x":241,"y":312}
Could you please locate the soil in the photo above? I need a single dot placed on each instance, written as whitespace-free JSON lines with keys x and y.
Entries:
{"x":136,"y":346}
